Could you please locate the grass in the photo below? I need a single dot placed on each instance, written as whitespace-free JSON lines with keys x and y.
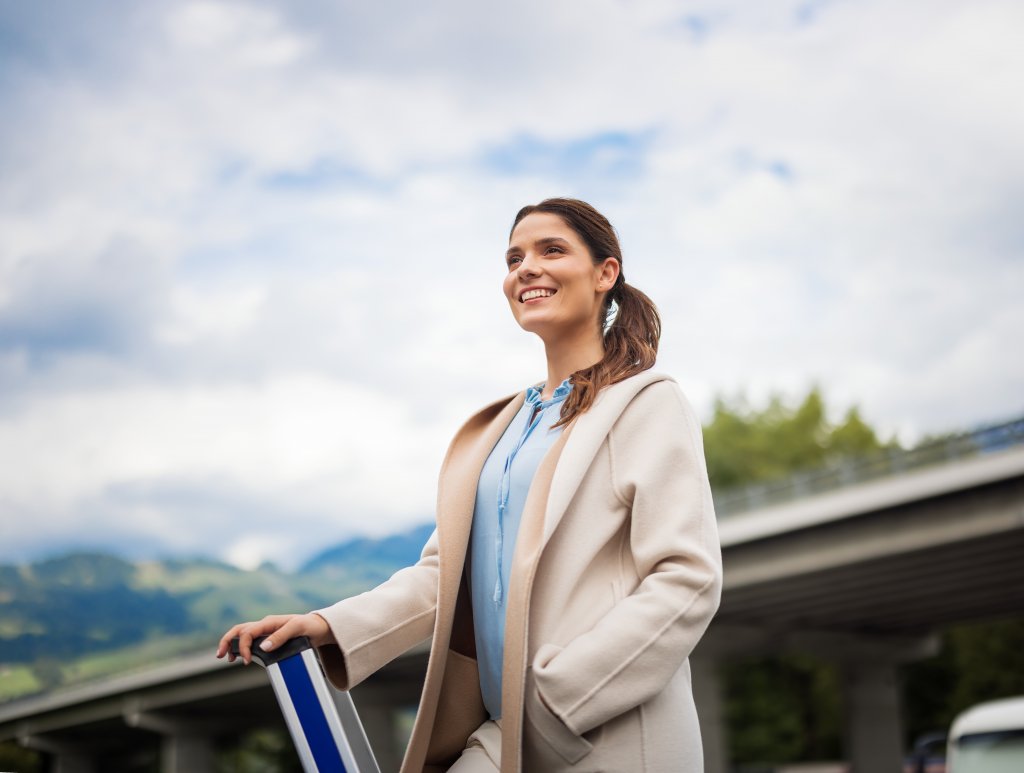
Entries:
{"x":16,"y":681}
{"x":136,"y":657}
{"x":217,"y":596}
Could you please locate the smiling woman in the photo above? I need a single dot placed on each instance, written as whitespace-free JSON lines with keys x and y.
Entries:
{"x":575,"y":563}
{"x":567,"y":241}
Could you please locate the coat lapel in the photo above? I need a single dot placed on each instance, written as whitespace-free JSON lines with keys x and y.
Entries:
{"x":460,"y":475}
{"x":456,"y":499}
{"x":590,"y":430}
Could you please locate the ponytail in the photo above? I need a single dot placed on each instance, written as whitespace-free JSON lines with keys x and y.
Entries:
{"x":630,"y":347}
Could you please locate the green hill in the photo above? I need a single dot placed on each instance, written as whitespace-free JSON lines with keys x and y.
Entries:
{"x":86,"y":615}
{"x":373,"y":559}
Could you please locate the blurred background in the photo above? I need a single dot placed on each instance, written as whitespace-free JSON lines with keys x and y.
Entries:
{"x":251,"y":255}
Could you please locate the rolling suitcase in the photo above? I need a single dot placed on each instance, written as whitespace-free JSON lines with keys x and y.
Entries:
{"x":322,"y":721}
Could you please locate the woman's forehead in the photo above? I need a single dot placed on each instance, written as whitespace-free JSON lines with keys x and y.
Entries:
{"x":539,"y":225}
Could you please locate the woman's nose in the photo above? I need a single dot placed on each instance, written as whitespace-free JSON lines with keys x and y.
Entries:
{"x":528,"y":268}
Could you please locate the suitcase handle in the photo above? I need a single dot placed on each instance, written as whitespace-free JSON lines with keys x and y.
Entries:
{"x":323,"y":723}
{"x":287,"y":650}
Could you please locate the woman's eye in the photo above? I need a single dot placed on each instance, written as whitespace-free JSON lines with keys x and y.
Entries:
{"x":554,"y":249}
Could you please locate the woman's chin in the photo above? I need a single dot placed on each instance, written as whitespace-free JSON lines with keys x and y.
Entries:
{"x":532,"y":324}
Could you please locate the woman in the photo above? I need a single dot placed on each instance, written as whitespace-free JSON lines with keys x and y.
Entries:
{"x":575,"y":563}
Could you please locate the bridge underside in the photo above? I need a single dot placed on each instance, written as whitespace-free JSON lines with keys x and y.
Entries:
{"x":896,"y":594}
{"x":866,"y":590}
{"x":180,"y":727}
{"x":908,"y":569}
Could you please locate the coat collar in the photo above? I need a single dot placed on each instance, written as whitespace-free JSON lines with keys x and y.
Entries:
{"x":588,"y":433}
{"x":476,"y":439}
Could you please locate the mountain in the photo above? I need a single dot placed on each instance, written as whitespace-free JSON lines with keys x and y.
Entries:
{"x":63,"y":607}
{"x":396,"y":551}
{"x":86,"y":615}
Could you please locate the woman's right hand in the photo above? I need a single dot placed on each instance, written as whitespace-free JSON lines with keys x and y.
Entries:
{"x":280,"y":628}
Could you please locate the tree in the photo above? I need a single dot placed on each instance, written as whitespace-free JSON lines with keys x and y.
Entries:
{"x":977,"y":661}
{"x":14,"y":757}
{"x":745,"y":445}
{"x":783,"y":709}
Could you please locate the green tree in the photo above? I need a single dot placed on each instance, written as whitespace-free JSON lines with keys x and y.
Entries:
{"x":781,"y":709}
{"x":14,"y":757}
{"x":853,"y":438}
{"x":745,"y":445}
{"x":261,"y":750}
{"x":786,"y":709}
{"x":978,"y":661}
{"x":989,"y":658}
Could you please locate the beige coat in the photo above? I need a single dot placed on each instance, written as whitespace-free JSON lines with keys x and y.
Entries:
{"x":616,"y":575}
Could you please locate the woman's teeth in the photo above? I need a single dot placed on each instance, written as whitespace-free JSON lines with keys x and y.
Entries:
{"x":531,"y":294}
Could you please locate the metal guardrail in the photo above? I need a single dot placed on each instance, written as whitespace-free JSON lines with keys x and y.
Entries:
{"x":986,"y":439}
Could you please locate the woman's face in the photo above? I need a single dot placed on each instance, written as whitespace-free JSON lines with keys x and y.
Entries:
{"x":552,"y":285}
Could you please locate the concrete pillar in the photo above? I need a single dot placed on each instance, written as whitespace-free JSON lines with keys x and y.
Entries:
{"x":708,"y":695}
{"x":72,"y":763}
{"x":65,"y":758}
{"x":184,"y":747}
{"x":873,"y":726}
{"x":186,"y":753}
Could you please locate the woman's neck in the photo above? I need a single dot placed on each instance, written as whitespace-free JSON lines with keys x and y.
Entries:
{"x":566,"y":355}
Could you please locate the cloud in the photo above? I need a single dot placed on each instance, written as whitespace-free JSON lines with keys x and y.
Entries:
{"x":104,"y":302}
{"x":252,"y":250}
{"x":197,"y":467}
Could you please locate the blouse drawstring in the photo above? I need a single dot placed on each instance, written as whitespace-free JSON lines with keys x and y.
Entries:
{"x":532,"y":399}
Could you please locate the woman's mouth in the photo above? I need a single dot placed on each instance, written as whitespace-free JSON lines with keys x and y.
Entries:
{"x":531,"y":295}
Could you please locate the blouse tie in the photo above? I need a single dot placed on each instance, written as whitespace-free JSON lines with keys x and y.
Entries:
{"x":540,"y":407}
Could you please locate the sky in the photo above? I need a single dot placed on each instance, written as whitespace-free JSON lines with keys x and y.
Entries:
{"x":251,"y":253}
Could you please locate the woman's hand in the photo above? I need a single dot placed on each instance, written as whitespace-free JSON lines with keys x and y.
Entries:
{"x":280,"y":628}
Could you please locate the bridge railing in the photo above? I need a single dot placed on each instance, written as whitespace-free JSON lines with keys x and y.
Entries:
{"x":985,"y":439}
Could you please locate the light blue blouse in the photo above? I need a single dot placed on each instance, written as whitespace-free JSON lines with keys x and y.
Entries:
{"x":500,"y":497}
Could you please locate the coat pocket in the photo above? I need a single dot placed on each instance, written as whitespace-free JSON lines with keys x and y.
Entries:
{"x":570,"y":747}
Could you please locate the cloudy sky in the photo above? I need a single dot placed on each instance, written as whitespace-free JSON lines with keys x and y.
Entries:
{"x":251,"y":252}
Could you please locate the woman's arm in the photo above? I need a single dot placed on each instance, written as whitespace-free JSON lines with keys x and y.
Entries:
{"x":658,"y":470}
{"x":393,"y":617}
{"x":370,"y":630}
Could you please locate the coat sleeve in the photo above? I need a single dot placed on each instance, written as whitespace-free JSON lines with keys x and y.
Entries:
{"x":375,"y":627}
{"x":659,"y":473}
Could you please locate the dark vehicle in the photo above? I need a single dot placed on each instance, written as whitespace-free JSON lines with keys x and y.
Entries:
{"x":928,"y":756}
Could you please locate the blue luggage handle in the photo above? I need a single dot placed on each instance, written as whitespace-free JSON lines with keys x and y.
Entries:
{"x":323,"y":722}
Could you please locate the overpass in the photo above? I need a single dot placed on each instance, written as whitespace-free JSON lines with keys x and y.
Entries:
{"x":860,"y":566}
{"x":175,"y":716}
{"x":857,"y":565}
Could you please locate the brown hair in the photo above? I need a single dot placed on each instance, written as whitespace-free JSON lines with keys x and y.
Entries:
{"x":631,"y":342}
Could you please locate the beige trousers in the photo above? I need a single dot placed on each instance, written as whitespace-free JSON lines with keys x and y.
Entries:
{"x":483,"y":750}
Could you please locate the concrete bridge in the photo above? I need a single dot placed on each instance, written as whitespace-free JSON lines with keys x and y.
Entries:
{"x":856,"y":565}
{"x":864,"y":571}
{"x":175,"y":716}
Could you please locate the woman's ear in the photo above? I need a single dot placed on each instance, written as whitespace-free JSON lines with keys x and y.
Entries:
{"x":607,"y":274}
